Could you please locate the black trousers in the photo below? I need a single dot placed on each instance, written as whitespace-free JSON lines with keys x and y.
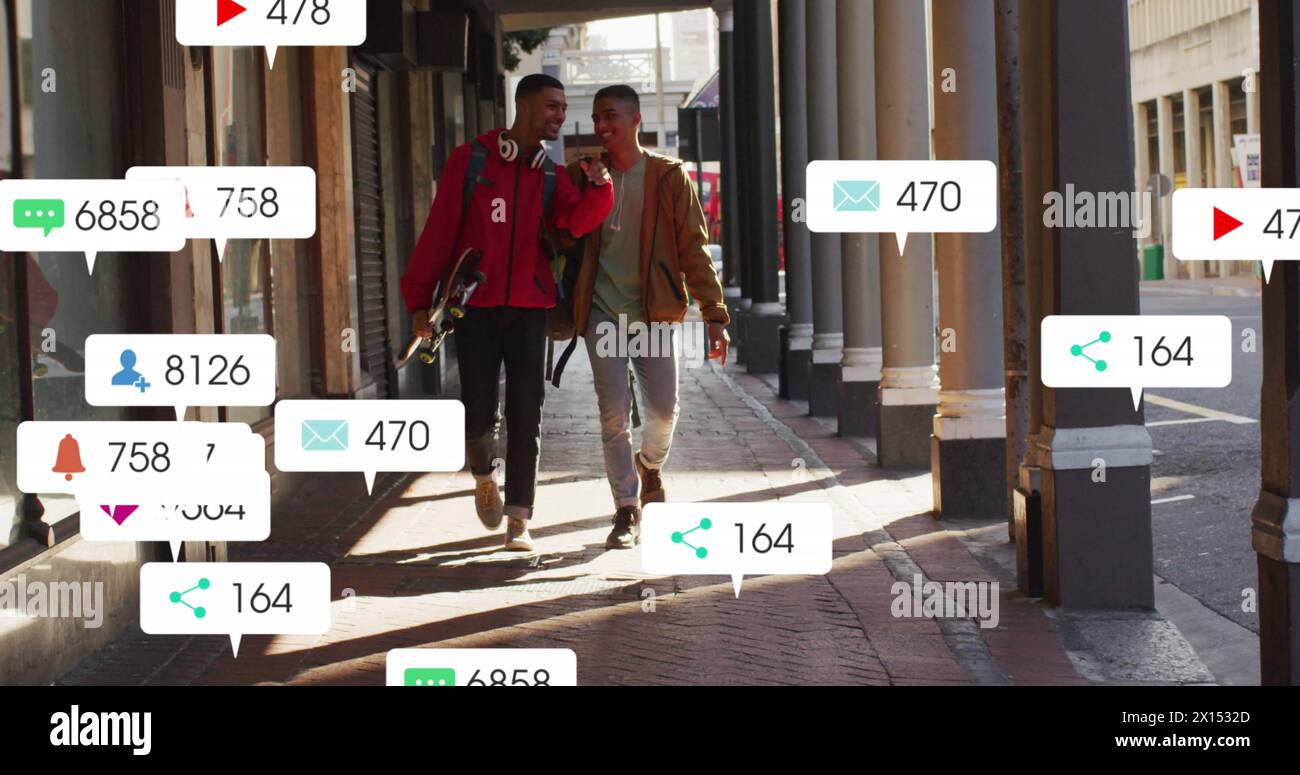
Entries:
{"x":486,"y":338}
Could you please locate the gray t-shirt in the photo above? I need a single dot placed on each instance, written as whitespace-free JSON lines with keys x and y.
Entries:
{"x":618,"y":273}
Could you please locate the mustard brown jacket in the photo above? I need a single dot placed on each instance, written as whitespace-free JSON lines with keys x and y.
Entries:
{"x":674,"y":256}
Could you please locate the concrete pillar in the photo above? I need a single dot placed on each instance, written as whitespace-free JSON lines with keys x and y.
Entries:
{"x":1141,"y":153}
{"x":761,"y":341}
{"x":859,"y":253}
{"x":968,"y":448}
{"x":1027,"y":498}
{"x":1252,"y":106}
{"x":796,"y":349}
{"x":1223,"y":174}
{"x":1096,"y":533}
{"x":741,"y":76}
{"x":1011,"y":202}
{"x":909,"y":379}
{"x":728,"y":177}
{"x":823,"y":143}
{"x":1275,"y":521}
{"x":1192,"y":156}
{"x":1165,"y":142}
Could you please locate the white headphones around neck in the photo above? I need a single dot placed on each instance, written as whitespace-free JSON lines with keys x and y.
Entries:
{"x":509,"y":150}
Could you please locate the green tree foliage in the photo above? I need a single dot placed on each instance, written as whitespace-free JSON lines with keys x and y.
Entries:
{"x":514,"y":44}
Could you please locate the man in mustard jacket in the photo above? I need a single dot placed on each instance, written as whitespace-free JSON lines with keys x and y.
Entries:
{"x":632,"y":281}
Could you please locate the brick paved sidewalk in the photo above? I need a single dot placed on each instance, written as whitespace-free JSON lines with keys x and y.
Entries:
{"x":412,"y":567}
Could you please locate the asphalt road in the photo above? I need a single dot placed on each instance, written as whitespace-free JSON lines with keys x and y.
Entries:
{"x":1202,"y":543}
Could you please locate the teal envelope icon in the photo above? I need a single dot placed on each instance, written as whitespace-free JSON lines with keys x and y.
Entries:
{"x":857,"y":196}
{"x":324,"y":435}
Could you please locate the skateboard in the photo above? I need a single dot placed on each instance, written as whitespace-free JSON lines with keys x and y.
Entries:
{"x":450,"y":296}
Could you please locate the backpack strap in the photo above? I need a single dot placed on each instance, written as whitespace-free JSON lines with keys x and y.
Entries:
{"x":548,"y":184}
{"x":473,"y":173}
{"x":548,"y":194}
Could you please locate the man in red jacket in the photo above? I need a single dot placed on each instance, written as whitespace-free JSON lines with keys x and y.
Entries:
{"x":515,"y":195}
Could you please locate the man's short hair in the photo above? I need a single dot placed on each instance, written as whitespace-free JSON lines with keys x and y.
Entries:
{"x":533,"y":84}
{"x":621,"y":92}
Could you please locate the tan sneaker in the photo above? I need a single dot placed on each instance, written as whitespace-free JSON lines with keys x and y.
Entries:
{"x":517,"y":537}
{"x":488,"y":503}
{"x":652,"y":484}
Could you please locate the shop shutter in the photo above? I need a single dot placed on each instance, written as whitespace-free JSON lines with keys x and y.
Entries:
{"x":368,"y":191}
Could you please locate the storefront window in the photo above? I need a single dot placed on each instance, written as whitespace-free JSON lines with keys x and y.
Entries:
{"x":239,"y":140}
{"x":67,"y":132}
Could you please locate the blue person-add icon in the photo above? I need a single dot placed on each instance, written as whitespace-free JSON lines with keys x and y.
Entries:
{"x":128,"y":376}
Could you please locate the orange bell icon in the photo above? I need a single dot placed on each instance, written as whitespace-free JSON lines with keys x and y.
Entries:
{"x":69,"y":459}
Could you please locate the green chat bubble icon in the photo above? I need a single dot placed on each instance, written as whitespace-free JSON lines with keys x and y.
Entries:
{"x":44,"y":214}
{"x":429,"y":676}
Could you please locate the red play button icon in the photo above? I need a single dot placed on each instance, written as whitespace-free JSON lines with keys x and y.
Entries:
{"x":1224,"y":223}
{"x":227,"y":10}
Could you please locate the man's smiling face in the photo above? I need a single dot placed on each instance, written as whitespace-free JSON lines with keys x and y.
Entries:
{"x":546,"y":112}
{"x":616,"y":122}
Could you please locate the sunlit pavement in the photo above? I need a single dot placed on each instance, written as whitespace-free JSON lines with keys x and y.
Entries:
{"x":413,"y":568}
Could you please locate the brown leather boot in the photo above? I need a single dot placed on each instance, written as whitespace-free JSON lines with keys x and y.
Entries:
{"x":652,"y":484}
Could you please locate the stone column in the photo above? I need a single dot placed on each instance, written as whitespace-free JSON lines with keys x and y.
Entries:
{"x":1011,"y":203}
{"x":761,"y":341}
{"x":728,"y":179}
{"x":1165,"y":144}
{"x":968,"y":448}
{"x":909,"y":379}
{"x":1223,"y":172}
{"x":1096,"y":530}
{"x":1142,"y":152}
{"x":859,"y":253}
{"x":1192,"y":156}
{"x":796,"y":341}
{"x":823,"y":143}
{"x":1275,"y":522}
{"x":741,"y":76}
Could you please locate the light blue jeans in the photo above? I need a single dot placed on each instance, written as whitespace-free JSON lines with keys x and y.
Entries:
{"x":653,"y":356}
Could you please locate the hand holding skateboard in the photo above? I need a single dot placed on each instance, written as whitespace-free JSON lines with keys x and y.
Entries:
{"x":430,"y":326}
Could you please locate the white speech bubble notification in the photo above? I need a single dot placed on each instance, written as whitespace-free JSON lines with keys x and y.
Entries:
{"x":735,"y":539}
{"x":56,"y":456}
{"x":224,"y":203}
{"x":370,"y":436}
{"x":225,"y":508}
{"x":235,"y":599}
{"x":1136,"y":351}
{"x":271,"y":23}
{"x":91,"y":216}
{"x":180,"y":370}
{"x":1236,"y":224}
{"x":900,"y":197}
{"x":435,"y":667}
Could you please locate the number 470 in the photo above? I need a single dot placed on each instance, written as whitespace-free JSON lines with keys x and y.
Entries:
{"x":320,"y":13}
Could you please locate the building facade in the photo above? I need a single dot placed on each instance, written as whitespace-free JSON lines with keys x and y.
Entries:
{"x":94,"y":89}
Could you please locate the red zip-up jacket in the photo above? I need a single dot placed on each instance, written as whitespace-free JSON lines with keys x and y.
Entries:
{"x":516,"y":264}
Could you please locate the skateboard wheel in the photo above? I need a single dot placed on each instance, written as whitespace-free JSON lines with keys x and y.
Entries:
{"x":457,"y":312}
{"x":426,"y":358}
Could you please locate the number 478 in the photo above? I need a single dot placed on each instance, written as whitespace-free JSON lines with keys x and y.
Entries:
{"x":1274,"y":226}
{"x":320,"y":13}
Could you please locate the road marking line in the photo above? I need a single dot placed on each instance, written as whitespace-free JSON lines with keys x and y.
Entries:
{"x":1184,"y":421}
{"x":1201,"y":411}
{"x":1172,"y":499}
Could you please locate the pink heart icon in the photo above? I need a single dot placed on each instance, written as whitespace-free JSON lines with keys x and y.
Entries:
{"x":119,"y":513}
